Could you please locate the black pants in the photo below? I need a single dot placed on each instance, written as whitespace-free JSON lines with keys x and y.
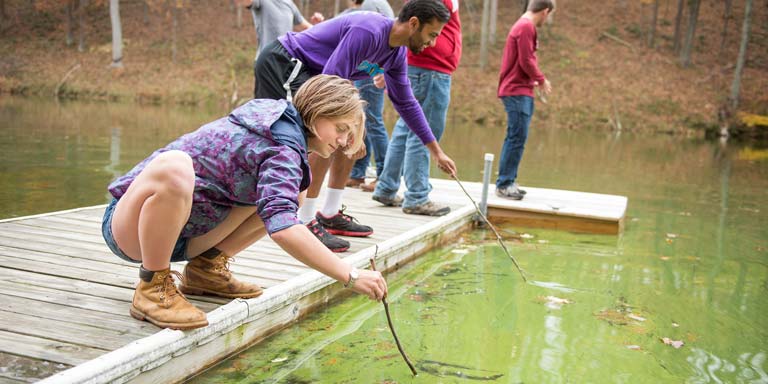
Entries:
{"x":271,"y":71}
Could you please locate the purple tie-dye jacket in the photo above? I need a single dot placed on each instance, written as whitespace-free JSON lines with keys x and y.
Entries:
{"x":238,"y":162}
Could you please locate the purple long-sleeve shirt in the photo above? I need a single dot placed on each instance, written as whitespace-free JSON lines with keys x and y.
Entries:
{"x":338,"y":46}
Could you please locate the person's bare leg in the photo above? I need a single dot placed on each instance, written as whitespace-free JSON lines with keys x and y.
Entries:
{"x":319,"y":167}
{"x":149,"y":217}
{"x":238,"y":231}
{"x":146,"y":225}
{"x":341,"y":166}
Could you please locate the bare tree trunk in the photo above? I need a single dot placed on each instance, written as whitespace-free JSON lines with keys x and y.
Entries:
{"x":145,"y":12}
{"x":239,"y":17}
{"x":654,"y":21}
{"x":484,"y":33}
{"x":174,"y":27}
{"x":693,"y":16}
{"x":678,"y":26}
{"x":117,"y":34}
{"x":523,"y":6}
{"x":736,"y":86}
{"x":3,"y":14}
{"x":494,"y":19}
{"x":70,"y":22}
{"x":336,"y":7}
{"x":81,"y":25}
{"x":726,"y":17}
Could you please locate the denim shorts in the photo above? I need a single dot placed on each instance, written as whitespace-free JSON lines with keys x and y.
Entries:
{"x":179,"y":250}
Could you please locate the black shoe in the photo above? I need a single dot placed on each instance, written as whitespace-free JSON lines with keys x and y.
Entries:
{"x":330,"y":241}
{"x":342,"y":224}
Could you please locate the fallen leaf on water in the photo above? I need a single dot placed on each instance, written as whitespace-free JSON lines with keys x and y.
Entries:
{"x":526,"y":236}
{"x":684,"y":213}
{"x":553,"y":302}
{"x":675,"y":325}
{"x":664,"y":258}
{"x":671,"y":235}
{"x":557,"y":300}
{"x":332,"y":361}
{"x":635,"y":317}
{"x":634,"y":347}
{"x":675,"y":343}
{"x":460,"y":251}
{"x":669,"y":241}
{"x":279,"y":360}
{"x":543,"y":241}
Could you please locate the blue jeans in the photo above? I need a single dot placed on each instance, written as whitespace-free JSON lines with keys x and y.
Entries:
{"x":406,"y":154}
{"x":376,"y":138}
{"x":519,"y":112}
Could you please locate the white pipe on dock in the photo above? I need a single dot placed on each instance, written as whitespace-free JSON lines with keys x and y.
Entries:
{"x":487,"y":168}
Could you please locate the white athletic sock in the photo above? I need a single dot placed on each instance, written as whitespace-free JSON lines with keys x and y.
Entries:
{"x":307,"y":210}
{"x":332,"y":202}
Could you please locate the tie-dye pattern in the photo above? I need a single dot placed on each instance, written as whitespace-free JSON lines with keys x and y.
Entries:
{"x":237,"y":162}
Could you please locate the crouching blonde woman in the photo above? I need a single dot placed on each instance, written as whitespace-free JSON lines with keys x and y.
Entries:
{"x":213,"y":192}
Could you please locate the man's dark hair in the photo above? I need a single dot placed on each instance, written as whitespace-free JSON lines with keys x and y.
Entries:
{"x":359,"y":2}
{"x":425,"y":11}
{"x":540,"y":5}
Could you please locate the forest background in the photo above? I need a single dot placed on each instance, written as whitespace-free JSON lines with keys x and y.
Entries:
{"x":667,"y":66}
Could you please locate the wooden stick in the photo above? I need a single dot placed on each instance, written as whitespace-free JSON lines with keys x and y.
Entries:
{"x":391,"y":327}
{"x":498,"y":237}
{"x":620,"y":41}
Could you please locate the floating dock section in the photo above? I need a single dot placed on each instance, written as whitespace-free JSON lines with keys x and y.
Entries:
{"x":65,"y":298}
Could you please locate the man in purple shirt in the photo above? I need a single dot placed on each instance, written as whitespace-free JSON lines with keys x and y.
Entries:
{"x":353,"y":47}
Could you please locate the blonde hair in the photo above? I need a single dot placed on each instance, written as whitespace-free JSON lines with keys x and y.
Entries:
{"x":331,"y":97}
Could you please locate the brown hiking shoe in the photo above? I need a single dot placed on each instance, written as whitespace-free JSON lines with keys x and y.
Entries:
{"x":368,"y":187}
{"x":160,"y":303}
{"x":428,"y":209}
{"x":355,"y":183}
{"x":211,"y":276}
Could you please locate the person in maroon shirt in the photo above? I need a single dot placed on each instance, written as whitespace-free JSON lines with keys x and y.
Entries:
{"x":519,"y":74}
{"x":430,"y":75}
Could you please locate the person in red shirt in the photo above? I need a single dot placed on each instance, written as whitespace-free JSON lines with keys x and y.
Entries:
{"x":519,"y":74}
{"x":430,"y":75}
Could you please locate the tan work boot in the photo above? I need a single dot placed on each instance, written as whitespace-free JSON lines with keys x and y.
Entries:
{"x":159,"y":302}
{"x":211,"y":276}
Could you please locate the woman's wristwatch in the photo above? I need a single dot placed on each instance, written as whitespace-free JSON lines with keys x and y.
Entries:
{"x":353,"y":275}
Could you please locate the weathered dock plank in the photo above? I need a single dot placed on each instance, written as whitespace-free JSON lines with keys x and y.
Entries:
{"x":66,"y":297}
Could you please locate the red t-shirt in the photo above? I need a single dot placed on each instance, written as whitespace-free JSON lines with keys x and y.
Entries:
{"x":445,"y":55}
{"x":519,"y":69}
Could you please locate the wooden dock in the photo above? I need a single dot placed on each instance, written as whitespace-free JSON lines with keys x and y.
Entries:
{"x":65,"y":298}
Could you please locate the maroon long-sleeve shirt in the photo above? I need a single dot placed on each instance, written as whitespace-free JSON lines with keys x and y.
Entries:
{"x":519,"y":67}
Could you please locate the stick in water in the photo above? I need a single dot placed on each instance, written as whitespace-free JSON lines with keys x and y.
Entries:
{"x":498,"y":237}
{"x":391,"y":327}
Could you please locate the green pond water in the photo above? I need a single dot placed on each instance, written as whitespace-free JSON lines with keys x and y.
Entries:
{"x":690,"y":266}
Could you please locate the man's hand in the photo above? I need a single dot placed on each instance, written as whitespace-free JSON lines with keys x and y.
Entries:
{"x":446,"y":164}
{"x":443,"y":161}
{"x":547,"y":87}
{"x":317,"y":17}
{"x":379,"y":82}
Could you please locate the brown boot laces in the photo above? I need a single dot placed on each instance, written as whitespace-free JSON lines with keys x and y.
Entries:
{"x":168,"y":290}
{"x":221,"y":264}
